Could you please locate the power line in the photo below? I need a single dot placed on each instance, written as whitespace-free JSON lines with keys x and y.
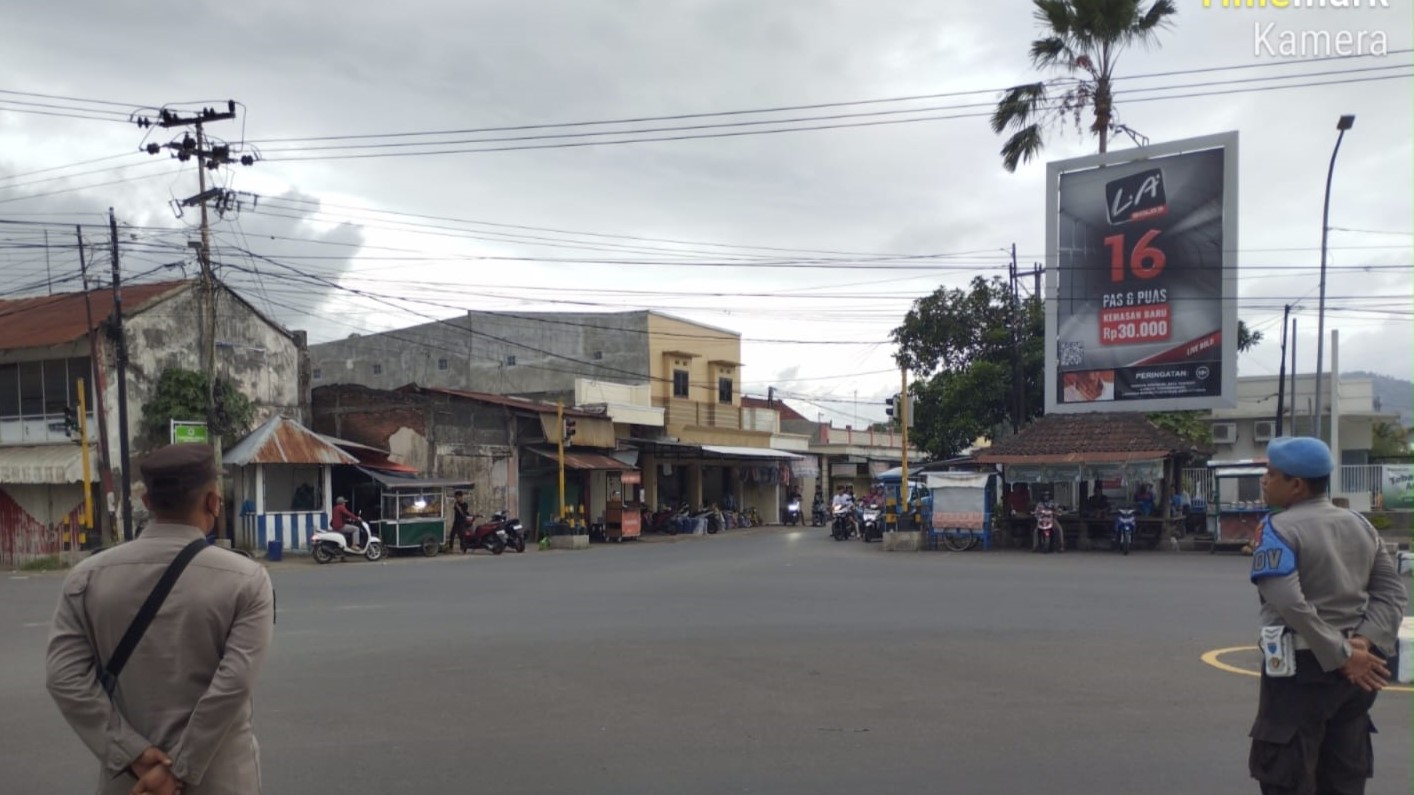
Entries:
{"x":787,"y":108}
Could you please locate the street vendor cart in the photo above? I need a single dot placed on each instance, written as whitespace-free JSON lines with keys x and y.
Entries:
{"x":407,"y":513}
{"x":1237,"y":508}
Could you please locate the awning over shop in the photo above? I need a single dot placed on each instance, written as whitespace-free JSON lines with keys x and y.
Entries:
{"x":584,"y":460}
{"x":368,"y":456}
{"x":398,"y":480}
{"x":43,"y":464}
{"x":749,"y":452}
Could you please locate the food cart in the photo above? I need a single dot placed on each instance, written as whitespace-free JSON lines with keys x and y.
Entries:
{"x":1237,"y":507}
{"x":407,"y":512}
{"x":961,"y":509}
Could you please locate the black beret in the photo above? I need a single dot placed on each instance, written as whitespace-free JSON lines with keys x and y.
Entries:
{"x":179,"y":468}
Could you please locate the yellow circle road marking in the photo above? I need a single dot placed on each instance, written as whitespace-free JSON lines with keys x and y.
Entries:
{"x":1212,"y":658}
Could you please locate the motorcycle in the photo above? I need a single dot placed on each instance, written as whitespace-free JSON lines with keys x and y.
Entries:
{"x":667,"y":519}
{"x":493,"y":536}
{"x":818,"y":516}
{"x":1124,"y":530}
{"x":327,"y":545}
{"x":842,"y":526}
{"x":713,"y":519}
{"x":871,"y":524}
{"x":1046,"y":529}
{"x":793,"y":513}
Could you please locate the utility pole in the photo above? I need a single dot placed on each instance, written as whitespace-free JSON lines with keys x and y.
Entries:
{"x":87,"y":521}
{"x":105,"y":456}
{"x":904,"y":491}
{"x":121,"y":357}
{"x":560,"y":456}
{"x":1293,"y":376}
{"x":1017,"y":388}
{"x":1281,"y":374}
{"x":207,"y":157}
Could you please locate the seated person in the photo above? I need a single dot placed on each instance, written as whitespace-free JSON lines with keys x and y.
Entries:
{"x":347,"y":522}
{"x":1144,"y":500}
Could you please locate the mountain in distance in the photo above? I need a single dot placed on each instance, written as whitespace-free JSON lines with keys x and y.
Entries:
{"x":1394,"y":394}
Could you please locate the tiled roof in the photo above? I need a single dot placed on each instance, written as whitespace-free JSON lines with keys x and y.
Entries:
{"x":46,"y":320}
{"x":787,"y":413}
{"x":1085,"y":438}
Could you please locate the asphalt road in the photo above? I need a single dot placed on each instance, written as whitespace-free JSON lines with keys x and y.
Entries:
{"x":767,"y":661}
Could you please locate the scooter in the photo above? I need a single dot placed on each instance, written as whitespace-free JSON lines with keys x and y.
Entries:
{"x":327,"y":545}
{"x":493,"y":536}
{"x":793,"y":513}
{"x":712,"y":517}
{"x":871,"y":525}
{"x":842,"y":525}
{"x":1046,"y":530}
{"x":818,"y":516}
{"x":1124,"y":530}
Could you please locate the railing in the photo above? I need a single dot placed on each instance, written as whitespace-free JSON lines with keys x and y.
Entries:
{"x":1360,"y":479}
{"x":865,"y":438}
{"x":717,"y":415}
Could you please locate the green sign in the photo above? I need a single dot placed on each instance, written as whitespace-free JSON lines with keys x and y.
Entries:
{"x":189,"y":433}
{"x":1398,"y":487}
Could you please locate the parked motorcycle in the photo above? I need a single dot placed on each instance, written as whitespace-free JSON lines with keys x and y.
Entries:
{"x":1124,"y":530}
{"x":1047,"y":529}
{"x":713,"y":518}
{"x":871,"y":524}
{"x":493,"y":536}
{"x":818,"y":515}
{"x":842,"y":525}
{"x":667,"y":519}
{"x":793,"y":517}
{"x":328,"y":545}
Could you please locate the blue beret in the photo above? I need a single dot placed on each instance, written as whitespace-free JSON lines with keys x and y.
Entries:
{"x":1300,"y":457}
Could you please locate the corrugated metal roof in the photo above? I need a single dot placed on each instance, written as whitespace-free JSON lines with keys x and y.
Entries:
{"x":46,"y":320}
{"x":281,"y":440}
{"x":44,"y":464}
{"x":584,"y":460}
{"x":509,"y":401}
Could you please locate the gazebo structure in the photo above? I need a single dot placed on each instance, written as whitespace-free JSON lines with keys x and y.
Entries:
{"x":1090,"y":465}
{"x":282,"y":483}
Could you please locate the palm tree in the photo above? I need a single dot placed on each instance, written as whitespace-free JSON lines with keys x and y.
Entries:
{"x":1084,"y":40}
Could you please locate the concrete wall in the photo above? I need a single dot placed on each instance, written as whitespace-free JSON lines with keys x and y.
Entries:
{"x":532,"y":354}
{"x":261,"y":359}
{"x":715,"y":352}
{"x":442,"y":438}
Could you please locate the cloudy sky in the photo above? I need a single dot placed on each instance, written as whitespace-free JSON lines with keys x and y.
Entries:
{"x":811,"y":243}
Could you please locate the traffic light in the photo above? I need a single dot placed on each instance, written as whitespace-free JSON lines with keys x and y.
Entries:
{"x":569,"y":430}
{"x":71,"y":420}
{"x":891,"y":406}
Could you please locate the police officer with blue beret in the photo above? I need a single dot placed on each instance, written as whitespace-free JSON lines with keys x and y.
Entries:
{"x":1332,"y":601}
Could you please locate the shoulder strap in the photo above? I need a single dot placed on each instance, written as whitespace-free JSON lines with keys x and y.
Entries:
{"x":108,"y":675}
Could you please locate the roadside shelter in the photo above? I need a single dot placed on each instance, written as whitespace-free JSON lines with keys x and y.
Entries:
{"x":282,"y":482}
{"x":1090,"y":465}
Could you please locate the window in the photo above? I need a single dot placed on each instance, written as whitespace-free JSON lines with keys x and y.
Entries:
{"x":318,"y":374}
{"x":377,"y":369}
{"x":441,"y":364}
{"x":510,"y":361}
{"x":10,"y":390}
{"x":680,"y":383}
{"x":724,"y":390}
{"x":32,"y":389}
{"x":598,"y":356}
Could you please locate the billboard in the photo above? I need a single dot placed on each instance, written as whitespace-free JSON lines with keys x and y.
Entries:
{"x":1141,"y":279}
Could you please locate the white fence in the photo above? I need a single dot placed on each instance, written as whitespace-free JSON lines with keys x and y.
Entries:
{"x":1365,"y":479}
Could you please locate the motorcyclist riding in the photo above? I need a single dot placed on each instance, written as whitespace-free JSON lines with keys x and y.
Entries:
{"x":347,"y":522}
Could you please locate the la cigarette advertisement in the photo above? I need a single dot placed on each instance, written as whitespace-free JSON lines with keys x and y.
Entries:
{"x":1140,"y":313}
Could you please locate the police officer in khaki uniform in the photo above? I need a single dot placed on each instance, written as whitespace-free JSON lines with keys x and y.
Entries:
{"x":1331,"y":606}
{"x":179,"y":717}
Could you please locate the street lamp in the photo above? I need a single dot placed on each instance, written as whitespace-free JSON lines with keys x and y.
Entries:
{"x":1345,"y":123}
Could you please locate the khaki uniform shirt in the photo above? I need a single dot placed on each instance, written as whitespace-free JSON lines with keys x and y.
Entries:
{"x":1323,"y":572}
{"x":187,"y":687}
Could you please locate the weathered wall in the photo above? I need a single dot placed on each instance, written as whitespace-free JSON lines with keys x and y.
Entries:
{"x":258,"y":357}
{"x":533,"y":354}
{"x":38,"y":520}
{"x":443,"y":438}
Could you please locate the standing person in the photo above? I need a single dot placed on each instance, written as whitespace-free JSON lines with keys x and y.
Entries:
{"x":461,"y":517}
{"x":177,"y":716}
{"x":1329,"y":590}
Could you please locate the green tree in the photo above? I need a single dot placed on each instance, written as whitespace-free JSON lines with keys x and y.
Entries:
{"x":1082,"y":39}
{"x":1390,"y":441}
{"x":181,"y":395}
{"x":959,"y":343}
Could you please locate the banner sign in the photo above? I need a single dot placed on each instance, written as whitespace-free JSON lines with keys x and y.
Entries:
{"x":1141,"y":298}
{"x":189,"y":433}
{"x":1397,"y":488}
